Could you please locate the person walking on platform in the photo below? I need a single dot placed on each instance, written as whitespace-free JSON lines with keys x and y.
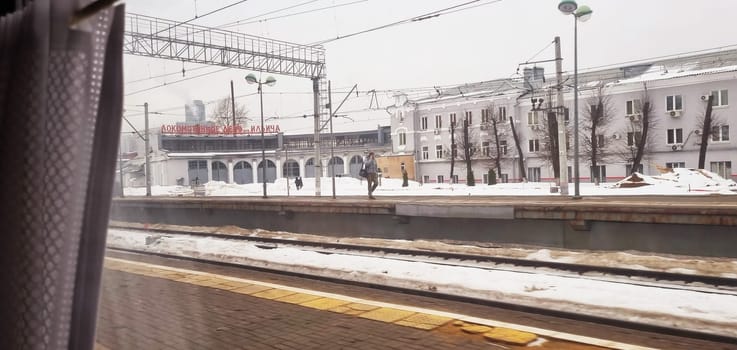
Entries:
{"x":372,"y":177}
{"x":298,"y":182}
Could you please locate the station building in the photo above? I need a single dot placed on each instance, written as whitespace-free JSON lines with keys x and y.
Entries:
{"x":677,"y":89}
{"x":188,"y":154}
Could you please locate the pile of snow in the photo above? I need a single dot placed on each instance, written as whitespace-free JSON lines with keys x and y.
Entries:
{"x":675,"y":181}
{"x":698,"y":180}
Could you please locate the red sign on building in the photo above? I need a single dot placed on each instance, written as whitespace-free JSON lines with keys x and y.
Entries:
{"x":217,"y":130}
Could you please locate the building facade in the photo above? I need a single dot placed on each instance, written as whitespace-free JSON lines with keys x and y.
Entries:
{"x":198,"y":156}
{"x":677,"y":91}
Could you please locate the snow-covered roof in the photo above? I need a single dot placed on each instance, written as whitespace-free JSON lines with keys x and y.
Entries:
{"x":661,"y":73}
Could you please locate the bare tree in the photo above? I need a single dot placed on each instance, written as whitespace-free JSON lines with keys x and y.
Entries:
{"x":452,"y":153}
{"x":548,"y":132}
{"x":705,"y":124}
{"x":521,"y":163}
{"x":639,"y":137}
{"x":495,"y":123}
{"x":222,"y":113}
{"x":462,"y":148}
{"x":596,"y":118}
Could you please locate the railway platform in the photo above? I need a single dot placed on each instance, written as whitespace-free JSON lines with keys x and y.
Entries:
{"x":150,"y":302}
{"x":687,"y":225}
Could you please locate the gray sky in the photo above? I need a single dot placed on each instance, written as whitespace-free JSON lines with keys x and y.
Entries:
{"x":486,"y":42}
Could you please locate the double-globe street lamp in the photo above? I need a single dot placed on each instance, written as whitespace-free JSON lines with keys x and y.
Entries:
{"x":582,"y":13}
{"x":270,"y":81}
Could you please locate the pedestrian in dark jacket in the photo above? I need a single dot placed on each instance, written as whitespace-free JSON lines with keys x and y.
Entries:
{"x":298,"y":182}
{"x":372,"y":177}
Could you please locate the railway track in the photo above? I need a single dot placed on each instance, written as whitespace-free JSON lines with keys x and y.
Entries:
{"x":674,"y":280}
{"x":661,"y":279}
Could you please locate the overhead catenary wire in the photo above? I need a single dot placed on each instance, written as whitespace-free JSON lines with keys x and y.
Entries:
{"x":239,"y":22}
{"x":300,"y":13}
{"x":176,"y":81}
{"x":418,"y":18}
{"x":198,"y":17}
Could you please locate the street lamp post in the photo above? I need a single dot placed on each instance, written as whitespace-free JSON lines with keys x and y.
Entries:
{"x":270,"y":81}
{"x":583,"y":14}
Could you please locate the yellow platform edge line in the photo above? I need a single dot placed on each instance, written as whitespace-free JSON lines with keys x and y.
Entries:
{"x":175,"y":271}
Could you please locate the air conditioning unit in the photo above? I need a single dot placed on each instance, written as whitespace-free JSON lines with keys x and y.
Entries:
{"x":697,"y":132}
{"x":634,"y":117}
{"x":535,"y":127}
{"x":484,"y":127}
{"x":674,"y":114}
{"x":705,"y":97}
{"x":676,"y":147}
{"x":616,"y":136}
{"x":437,"y":131}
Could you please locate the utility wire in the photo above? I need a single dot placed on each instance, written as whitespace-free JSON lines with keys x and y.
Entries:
{"x":164,"y":75}
{"x":238,"y":22}
{"x":422,"y":17}
{"x":134,"y":128}
{"x":302,"y":12}
{"x":198,"y":17}
{"x":176,"y":81}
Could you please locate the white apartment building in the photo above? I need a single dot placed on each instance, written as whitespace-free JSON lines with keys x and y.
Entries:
{"x":677,"y":90}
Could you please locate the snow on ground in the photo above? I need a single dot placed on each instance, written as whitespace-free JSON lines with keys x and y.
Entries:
{"x":676,"y":182}
{"x":711,"y":312}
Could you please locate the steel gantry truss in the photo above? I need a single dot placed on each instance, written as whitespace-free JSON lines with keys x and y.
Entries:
{"x":161,"y":38}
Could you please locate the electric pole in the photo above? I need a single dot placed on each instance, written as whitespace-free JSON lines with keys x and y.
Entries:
{"x":318,"y":161}
{"x":332,"y":138}
{"x":562,"y":142}
{"x":120,"y":165}
{"x":148,"y":154}
{"x":232,"y":100}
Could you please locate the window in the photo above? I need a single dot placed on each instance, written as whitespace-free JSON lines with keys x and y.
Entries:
{"x":454,"y":150}
{"x":628,"y":169}
{"x":720,"y":133}
{"x":632,"y":107}
{"x":425,"y":179}
{"x":503,"y":147}
{"x":441,"y":179}
{"x":402,"y":138}
{"x":502,"y":113}
{"x":438,"y":121}
{"x":723,"y":169}
{"x":469,"y":117}
{"x":675,"y":136}
{"x":401,"y":117}
{"x":673,"y":103}
{"x":452,"y":119}
{"x":675,"y":165}
{"x":485,"y":115}
{"x":601,"y":175}
{"x":486,"y":178}
{"x":438,"y":151}
{"x":485,"y":148}
{"x":533,"y":174}
{"x":504,"y":178}
{"x":455,"y":179}
{"x":721,"y":98}
{"x":534,"y":145}
{"x":600,"y":141}
{"x":423,"y":123}
{"x":532,"y":118}
{"x":425,"y":153}
{"x":633,"y":137}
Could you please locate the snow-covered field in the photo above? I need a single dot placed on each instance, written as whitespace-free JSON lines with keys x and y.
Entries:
{"x":711,"y":311}
{"x":679,"y":182}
